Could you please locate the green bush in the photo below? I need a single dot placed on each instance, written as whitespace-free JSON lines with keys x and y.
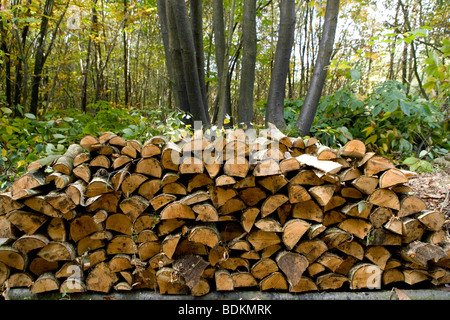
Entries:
{"x":25,"y":139}
{"x":389,"y":121}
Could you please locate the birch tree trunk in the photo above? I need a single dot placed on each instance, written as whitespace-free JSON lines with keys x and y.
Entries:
{"x":319,"y":75}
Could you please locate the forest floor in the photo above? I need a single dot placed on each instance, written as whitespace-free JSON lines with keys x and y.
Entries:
{"x":434,"y":189}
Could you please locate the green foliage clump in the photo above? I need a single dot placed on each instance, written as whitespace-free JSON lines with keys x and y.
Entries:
{"x":25,"y":138}
{"x":388,"y":120}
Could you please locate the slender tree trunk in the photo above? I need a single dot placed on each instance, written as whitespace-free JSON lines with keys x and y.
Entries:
{"x":192,"y":82}
{"x":277,"y":88}
{"x":87,"y":63}
{"x":39,"y":57}
{"x":125,"y":56}
{"x":249,"y":51}
{"x":318,"y":77}
{"x":197,"y":33}
{"x":222,"y":102}
{"x":224,"y":83}
{"x":6,"y":53}
{"x":20,"y":69}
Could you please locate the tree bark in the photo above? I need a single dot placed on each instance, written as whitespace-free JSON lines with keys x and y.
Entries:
{"x":318,"y":77}
{"x":197,"y":33}
{"x":275,"y":100}
{"x":223,"y":98}
{"x":41,"y":56}
{"x":249,"y":51}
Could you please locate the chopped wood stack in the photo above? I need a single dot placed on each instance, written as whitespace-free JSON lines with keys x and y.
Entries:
{"x":231,"y":213}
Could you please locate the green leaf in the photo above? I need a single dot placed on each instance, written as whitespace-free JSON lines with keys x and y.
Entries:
{"x":410,"y":160}
{"x":371,"y":139}
{"x":30,"y":116}
{"x":6,"y":110}
{"x":361,"y":207}
{"x":406,"y":107}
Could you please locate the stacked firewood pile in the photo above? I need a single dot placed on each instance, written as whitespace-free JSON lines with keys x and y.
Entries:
{"x":231,"y":213}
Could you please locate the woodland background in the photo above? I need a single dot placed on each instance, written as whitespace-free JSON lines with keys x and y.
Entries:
{"x":76,"y":67}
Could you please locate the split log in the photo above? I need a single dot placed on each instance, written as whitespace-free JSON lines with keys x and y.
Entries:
{"x":45,"y":283}
{"x":293,"y":265}
{"x":365,"y":275}
{"x":64,"y":164}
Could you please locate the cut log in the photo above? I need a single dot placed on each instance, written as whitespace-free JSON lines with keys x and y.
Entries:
{"x":40,"y":266}
{"x":149,"y":150}
{"x":64,"y":164}
{"x":293,"y":265}
{"x":331,"y":281}
{"x":252,"y":196}
{"x":361,"y":209}
{"x":150,"y":167}
{"x":27,"y":243}
{"x":311,"y":249}
{"x":306,"y":177}
{"x":267,"y":167}
{"x":149,"y":188}
{"x":380,"y":216}
{"x":432,"y":219}
{"x":223,"y":280}
{"x":411,"y":204}
{"x":330,"y":261}
{"x":248,"y":218}
{"x":148,"y":249}
{"x":13,"y":258}
{"x":207,"y":235}
{"x":366,"y":184}
{"x":206,"y":212}
{"x":170,"y":282}
{"x":45,"y":283}
{"x":134,"y":206}
{"x":219,"y":195}
{"x":101,"y":278}
{"x":162,"y":200}
{"x":57,"y":229}
{"x":269,"y":225}
{"x":353,"y":148}
{"x":26,"y":221}
{"x":297,"y":193}
{"x":293,"y":230}
{"x":304,"y":285}
{"x":261,"y":239}
{"x":322,"y":193}
{"x":7,"y":204}
{"x":272,"y":203}
{"x":177,"y":210}
{"x":40,"y":204}
{"x":58,"y":251}
{"x":169,"y":244}
{"x":352,"y":248}
{"x":274,"y":281}
{"x":365,"y":275}
{"x":191,"y":165}
{"x":100,"y":161}
{"x":378,"y":255}
{"x":195,"y":197}
{"x":20,"y":280}
{"x":131,"y":183}
{"x":385,"y":198}
{"x":264,"y":267}
{"x":243,"y":280}
{"x":121,"y":244}
{"x":420,"y":253}
{"x":273,"y":183}
{"x":119,"y":222}
{"x":308,"y":210}
{"x":22,"y":187}
{"x":377,"y":164}
{"x":413,"y":230}
{"x":98,"y":186}
{"x":357,"y":227}
{"x":392,"y":177}
{"x":170,"y":156}
{"x":83,"y":226}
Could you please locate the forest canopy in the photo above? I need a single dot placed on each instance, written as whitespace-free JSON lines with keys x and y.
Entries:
{"x":74,"y":67}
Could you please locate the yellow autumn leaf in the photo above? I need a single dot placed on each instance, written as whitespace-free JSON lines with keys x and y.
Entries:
{"x":20,"y":163}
